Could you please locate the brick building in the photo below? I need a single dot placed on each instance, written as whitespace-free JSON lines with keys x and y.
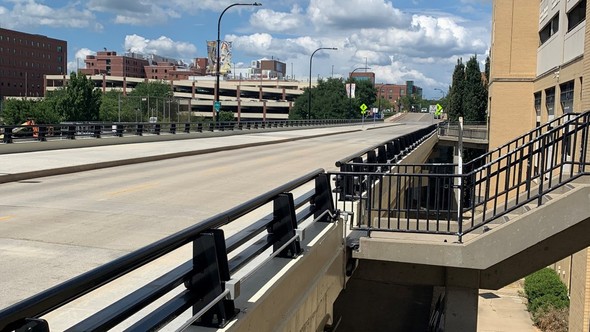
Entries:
{"x":363,"y":75}
{"x":394,"y":92}
{"x":25,"y":59}
{"x":111,"y":64}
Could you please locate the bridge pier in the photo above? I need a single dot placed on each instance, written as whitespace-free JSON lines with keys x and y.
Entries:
{"x":461,"y":300}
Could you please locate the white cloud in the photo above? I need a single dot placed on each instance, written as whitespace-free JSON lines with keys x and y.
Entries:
{"x":163,"y":46}
{"x":355,"y":14}
{"x":31,"y":13}
{"x":270,"y":20}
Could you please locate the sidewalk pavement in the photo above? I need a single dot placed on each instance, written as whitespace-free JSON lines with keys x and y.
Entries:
{"x":504,"y":310}
{"x":20,"y":161}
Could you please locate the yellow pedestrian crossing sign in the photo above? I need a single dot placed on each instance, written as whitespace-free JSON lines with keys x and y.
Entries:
{"x":363,"y":109}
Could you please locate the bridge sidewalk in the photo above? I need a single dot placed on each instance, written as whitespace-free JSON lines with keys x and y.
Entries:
{"x":18,"y":162}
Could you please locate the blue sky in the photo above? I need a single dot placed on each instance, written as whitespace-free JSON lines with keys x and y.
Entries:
{"x":417,"y":40}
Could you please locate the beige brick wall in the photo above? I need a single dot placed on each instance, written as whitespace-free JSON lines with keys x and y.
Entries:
{"x":513,"y":69}
{"x":586,"y":82}
{"x":579,"y":295}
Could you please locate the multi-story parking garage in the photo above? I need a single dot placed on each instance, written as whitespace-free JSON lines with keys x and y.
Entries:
{"x":247,"y":99}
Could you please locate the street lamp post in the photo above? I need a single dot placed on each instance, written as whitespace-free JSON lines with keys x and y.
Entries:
{"x":350,"y":88}
{"x":441,"y":91}
{"x":310,"y":63}
{"x":217,"y":66}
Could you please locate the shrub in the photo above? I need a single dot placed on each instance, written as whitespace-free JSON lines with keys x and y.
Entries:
{"x":547,"y":300}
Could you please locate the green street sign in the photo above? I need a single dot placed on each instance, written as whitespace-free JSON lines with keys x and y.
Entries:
{"x":363,"y":109}
{"x":217,"y":106}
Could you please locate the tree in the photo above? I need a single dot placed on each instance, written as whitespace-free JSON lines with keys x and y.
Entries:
{"x":226,"y":116}
{"x":150,"y":99}
{"x":455,"y":108}
{"x":79,"y":100}
{"x":115,"y":107}
{"x":329,"y":101}
{"x":17,"y":111}
{"x":365,"y":93}
{"x":475,"y":93}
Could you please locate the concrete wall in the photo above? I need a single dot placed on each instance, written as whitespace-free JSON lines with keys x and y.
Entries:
{"x":295,"y":294}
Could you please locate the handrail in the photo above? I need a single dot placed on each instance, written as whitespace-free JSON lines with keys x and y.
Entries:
{"x":552,"y":157}
{"x":404,"y":140}
{"x":38,"y":305}
{"x":73,"y":130}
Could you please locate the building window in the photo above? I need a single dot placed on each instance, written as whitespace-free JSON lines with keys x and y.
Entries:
{"x":550,"y":102}
{"x":567,"y":96}
{"x":576,"y":16}
{"x":549,"y":29}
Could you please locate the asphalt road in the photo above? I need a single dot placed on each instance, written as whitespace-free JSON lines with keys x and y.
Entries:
{"x":54,"y":228}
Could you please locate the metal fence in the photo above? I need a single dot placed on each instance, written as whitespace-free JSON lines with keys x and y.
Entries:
{"x":73,"y":130}
{"x":437,"y":198}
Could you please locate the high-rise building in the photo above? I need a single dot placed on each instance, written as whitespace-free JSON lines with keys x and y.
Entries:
{"x":25,"y":59}
{"x":540,"y":70}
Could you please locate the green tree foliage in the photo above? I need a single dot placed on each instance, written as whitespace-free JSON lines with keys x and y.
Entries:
{"x":383,"y":104}
{"x":468,"y":92}
{"x":475,"y":93}
{"x":456,"y":92}
{"x":226,"y":116}
{"x":329,"y":101}
{"x":151,"y":99}
{"x":365,"y":94}
{"x":16,"y":111}
{"x":79,"y":100}
{"x":116,"y":107}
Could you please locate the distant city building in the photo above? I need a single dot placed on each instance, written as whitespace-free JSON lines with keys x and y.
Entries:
{"x":138,"y":65}
{"x":268,"y":69}
{"x":110,"y":64}
{"x":363,"y":75}
{"x":25,"y":59}
{"x":394,"y":92}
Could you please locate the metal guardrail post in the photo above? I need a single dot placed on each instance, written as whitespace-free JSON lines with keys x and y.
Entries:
{"x":42,"y":134}
{"x":97,"y":131}
{"x":71,"y":133}
{"x":173,"y":128}
{"x":187,"y":128}
{"x":283,"y":226}
{"x":119,"y":130}
{"x":322,"y":201}
{"x":139,"y":129}
{"x":210,"y":272}
{"x":157,"y":128}
{"x":7,"y":135}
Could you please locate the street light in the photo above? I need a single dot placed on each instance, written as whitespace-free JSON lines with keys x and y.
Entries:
{"x":219,"y":42}
{"x":310,"y":62}
{"x":350,"y":87}
{"x":441,"y":91}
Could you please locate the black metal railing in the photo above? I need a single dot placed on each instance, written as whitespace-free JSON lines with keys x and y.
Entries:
{"x":73,"y":130}
{"x":440,"y":198}
{"x":208,"y":276}
{"x":376,"y":158}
